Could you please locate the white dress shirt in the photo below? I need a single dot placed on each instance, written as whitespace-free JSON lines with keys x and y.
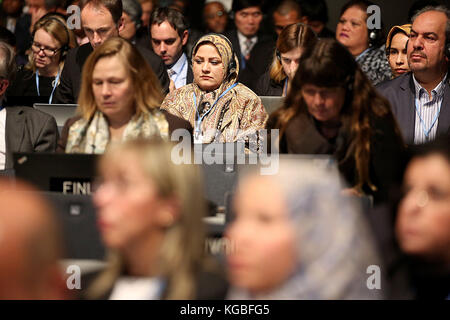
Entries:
{"x":178,"y":72}
{"x":427,"y":111}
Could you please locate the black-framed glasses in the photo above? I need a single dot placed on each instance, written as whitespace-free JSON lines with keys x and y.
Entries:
{"x":49,"y":52}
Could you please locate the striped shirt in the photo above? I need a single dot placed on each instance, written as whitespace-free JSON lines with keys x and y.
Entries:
{"x":427,"y":111}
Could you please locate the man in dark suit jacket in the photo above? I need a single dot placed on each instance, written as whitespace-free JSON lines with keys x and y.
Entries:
{"x":169,"y":35}
{"x":22,"y":129}
{"x":247,"y":19}
{"x":420,"y":99}
{"x":101,"y":21}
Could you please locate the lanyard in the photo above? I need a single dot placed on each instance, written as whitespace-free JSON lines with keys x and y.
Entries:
{"x":54,"y":86}
{"x":199,"y":119}
{"x":362,"y":54}
{"x":425,"y":131}
{"x":285,"y":87}
{"x":179,"y":73}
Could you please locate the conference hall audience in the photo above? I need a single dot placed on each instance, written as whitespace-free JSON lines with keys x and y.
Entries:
{"x":291,"y":44}
{"x":291,"y":244}
{"x":131,"y":17}
{"x":147,"y":8}
{"x":365,"y":45}
{"x":332,"y":108}
{"x":169,"y":35}
{"x":396,"y":43}
{"x":218,"y":107}
{"x":420,"y":99}
{"x":37,"y":81}
{"x":150,"y":212}
{"x":100,"y":20}
{"x":119,"y":101}
{"x":22,"y":129}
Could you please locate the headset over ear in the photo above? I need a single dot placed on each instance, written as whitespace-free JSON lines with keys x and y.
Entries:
{"x":65,"y":47}
{"x":374,"y":34}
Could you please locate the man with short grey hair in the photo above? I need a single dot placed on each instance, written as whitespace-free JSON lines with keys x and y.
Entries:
{"x":420,"y":99}
{"x":131,"y":16}
{"x":22,"y":129}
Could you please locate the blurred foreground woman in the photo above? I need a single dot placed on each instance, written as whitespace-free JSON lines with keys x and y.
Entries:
{"x":297,"y":237}
{"x":150,"y":217}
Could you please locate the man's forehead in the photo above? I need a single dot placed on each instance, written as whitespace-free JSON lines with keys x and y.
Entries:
{"x":164,"y":30}
{"x":100,"y":11}
{"x":430,"y":22}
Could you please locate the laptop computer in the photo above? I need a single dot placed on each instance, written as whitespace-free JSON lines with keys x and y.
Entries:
{"x":272,"y":103}
{"x":61,"y":112}
{"x":57,"y":172}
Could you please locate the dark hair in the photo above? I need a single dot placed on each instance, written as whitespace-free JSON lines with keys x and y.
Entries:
{"x":7,"y":36}
{"x":174,"y":17}
{"x":243,"y":4}
{"x":113,"y":6}
{"x":440,"y":146}
{"x":315,"y":10}
{"x":376,"y":37}
{"x":419,"y":5}
{"x":330,"y":64}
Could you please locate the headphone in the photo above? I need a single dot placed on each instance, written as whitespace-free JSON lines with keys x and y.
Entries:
{"x":298,"y":24}
{"x":65,"y":47}
{"x":232,"y":64}
{"x":374,"y":35}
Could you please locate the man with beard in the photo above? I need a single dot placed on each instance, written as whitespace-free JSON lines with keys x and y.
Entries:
{"x":420,"y":99}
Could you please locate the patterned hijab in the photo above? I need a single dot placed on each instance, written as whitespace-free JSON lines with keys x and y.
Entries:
{"x":238,"y":113}
{"x":334,"y":244}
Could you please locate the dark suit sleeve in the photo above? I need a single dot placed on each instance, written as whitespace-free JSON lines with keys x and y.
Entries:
{"x":64,"y":93}
{"x":62,"y":142}
{"x":157,"y":66}
{"x":46,"y":139}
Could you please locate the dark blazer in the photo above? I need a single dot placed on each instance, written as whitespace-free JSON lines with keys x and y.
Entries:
{"x":259,"y":63}
{"x":233,"y":37}
{"x":28,"y":130}
{"x":265,"y":86}
{"x":401,"y":94}
{"x":69,"y":87}
{"x":190,"y":74}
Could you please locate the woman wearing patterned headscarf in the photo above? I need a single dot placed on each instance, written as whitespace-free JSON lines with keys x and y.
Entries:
{"x":288,"y":243}
{"x":219,"y":108}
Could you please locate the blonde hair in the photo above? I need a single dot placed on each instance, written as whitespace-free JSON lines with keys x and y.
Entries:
{"x":297,"y":35}
{"x":181,"y":254}
{"x":147,"y":90}
{"x":55,"y":26}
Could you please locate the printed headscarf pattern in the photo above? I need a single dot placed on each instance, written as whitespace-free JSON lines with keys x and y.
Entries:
{"x":239,"y":113}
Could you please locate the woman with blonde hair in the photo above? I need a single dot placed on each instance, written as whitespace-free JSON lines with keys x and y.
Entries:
{"x":40,"y":77}
{"x":150,"y":214}
{"x":119,"y":100}
{"x":290,"y":46}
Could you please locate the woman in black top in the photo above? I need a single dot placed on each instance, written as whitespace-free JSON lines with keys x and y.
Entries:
{"x":290,"y":45}
{"x":332,"y":108}
{"x":40,"y":77}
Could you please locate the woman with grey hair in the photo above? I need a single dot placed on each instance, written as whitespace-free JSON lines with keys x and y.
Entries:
{"x":131,"y":16}
{"x":296,"y":237}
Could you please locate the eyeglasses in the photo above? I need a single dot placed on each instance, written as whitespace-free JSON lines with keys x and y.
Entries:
{"x":49,"y":52}
{"x":213,"y":15}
